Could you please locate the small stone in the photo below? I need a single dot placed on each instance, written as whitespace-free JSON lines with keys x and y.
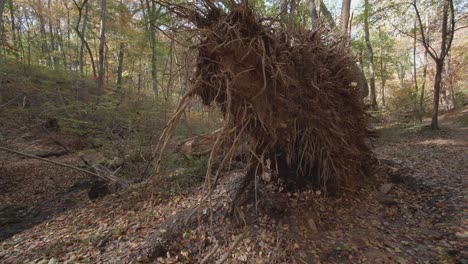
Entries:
{"x":52,"y":261}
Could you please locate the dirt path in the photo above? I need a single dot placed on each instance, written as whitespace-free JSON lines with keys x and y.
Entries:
{"x":424,"y":221}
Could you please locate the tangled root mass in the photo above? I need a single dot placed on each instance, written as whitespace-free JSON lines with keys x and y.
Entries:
{"x":290,"y":97}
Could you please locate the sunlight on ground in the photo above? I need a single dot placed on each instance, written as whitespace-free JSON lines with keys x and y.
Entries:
{"x":441,"y":142}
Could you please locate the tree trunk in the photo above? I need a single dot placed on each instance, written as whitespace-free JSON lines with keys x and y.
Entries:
{"x":437,"y":85}
{"x":139,"y":78}
{"x":313,"y":14}
{"x":2,"y":7}
{"x":362,"y":81}
{"x":81,"y":36}
{"x":13,"y":26}
{"x":68,"y":27}
{"x":415,"y":71}
{"x":151,"y":8}
{"x":362,"y":85}
{"x":345,"y":13}
{"x":120,"y":67}
{"x":371,"y":55}
{"x":83,"y":32}
{"x":28,"y":31}
{"x":423,"y":86}
{"x":42,"y":30}
{"x":450,"y":79}
{"x":324,"y":10}
{"x":102,"y":45}
{"x":53,"y":58}
{"x":383,"y":79}
{"x":284,"y":11}
{"x":292,"y":15}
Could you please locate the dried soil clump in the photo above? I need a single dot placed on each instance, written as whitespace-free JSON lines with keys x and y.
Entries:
{"x":288,"y":97}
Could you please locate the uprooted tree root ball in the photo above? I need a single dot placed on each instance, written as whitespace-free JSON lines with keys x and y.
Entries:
{"x":289,"y":98}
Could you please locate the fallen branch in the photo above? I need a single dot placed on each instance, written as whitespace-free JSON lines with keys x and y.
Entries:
{"x":11,"y":101}
{"x":55,"y":162}
{"x":210,"y":254}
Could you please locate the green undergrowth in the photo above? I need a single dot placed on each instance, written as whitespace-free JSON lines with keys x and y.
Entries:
{"x":396,"y":131}
{"x":123,"y":128}
{"x":182,"y":172}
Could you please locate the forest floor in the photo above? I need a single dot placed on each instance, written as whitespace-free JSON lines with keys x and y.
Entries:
{"x":46,"y":216}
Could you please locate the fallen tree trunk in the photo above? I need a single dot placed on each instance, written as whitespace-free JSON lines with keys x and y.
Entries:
{"x":100,"y":171}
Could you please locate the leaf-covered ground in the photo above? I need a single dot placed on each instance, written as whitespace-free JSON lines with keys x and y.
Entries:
{"x":415,"y":211}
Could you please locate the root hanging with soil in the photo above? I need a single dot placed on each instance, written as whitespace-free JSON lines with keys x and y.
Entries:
{"x":289,"y":98}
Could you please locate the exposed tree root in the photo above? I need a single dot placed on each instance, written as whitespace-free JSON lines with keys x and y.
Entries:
{"x":290,"y":98}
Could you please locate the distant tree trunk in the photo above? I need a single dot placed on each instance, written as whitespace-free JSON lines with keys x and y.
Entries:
{"x":28,"y":32}
{"x":83,"y":32}
{"x":345,"y":13}
{"x":53,"y":58}
{"x":82,"y":36}
{"x":383,"y":79}
{"x":42,"y":30}
{"x":106,"y":64}
{"x":292,"y":15}
{"x":365,"y":91}
{"x":284,"y":11}
{"x":415,"y":71}
{"x":313,"y":14}
{"x":2,"y":7}
{"x":362,"y":85}
{"x":120,"y":67}
{"x":139,"y":78}
{"x":447,"y":32}
{"x":13,"y":26}
{"x":423,"y":86}
{"x":61,"y":45}
{"x":102,"y":45}
{"x":151,"y":8}
{"x":68,"y":27}
{"x":371,"y":55}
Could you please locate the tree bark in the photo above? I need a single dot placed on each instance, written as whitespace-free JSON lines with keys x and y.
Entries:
{"x":450,"y":79}
{"x":364,"y":86}
{"x":423,"y":86}
{"x":2,"y":7}
{"x":102,"y":45}
{"x":415,"y":71}
{"x":292,"y":15}
{"x":383,"y":79}
{"x":437,"y":85}
{"x":151,"y":8}
{"x":44,"y":46}
{"x":345,"y":13}
{"x":120,"y":67}
{"x":371,"y":55}
{"x":313,"y":15}
{"x":13,"y":26}
{"x":83,"y":32}
{"x":284,"y":11}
